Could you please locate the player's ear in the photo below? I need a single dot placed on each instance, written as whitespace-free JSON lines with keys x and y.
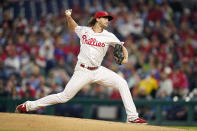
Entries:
{"x":97,"y":19}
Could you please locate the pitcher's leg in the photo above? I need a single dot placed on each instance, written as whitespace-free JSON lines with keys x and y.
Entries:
{"x":109,"y":78}
{"x":127,"y":99}
{"x":78,"y":80}
{"x":45,"y":101}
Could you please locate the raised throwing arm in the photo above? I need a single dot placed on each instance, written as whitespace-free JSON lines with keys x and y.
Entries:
{"x":71,"y":23}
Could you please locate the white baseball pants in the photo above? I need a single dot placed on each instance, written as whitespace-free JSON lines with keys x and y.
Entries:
{"x":82,"y":77}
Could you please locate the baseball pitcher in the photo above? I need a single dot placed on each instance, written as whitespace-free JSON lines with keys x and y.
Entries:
{"x":94,"y":43}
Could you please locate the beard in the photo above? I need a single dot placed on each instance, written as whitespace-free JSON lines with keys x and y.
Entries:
{"x":104,"y":26}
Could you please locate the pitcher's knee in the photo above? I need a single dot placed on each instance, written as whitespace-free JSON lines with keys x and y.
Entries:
{"x":64,"y":97}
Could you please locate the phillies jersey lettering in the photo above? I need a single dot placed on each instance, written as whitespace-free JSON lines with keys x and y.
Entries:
{"x":93,"y":46}
{"x":92,"y":41}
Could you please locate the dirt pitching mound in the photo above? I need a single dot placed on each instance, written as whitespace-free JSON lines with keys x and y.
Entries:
{"x":44,"y":122}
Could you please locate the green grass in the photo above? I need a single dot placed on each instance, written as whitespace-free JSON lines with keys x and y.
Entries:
{"x":186,"y":127}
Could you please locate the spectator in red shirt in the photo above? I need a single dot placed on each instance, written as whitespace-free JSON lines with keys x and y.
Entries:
{"x":155,"y":13}
{"x":33,"y":45}
{"x":180,"y":82}
{"x":21,"y":45}
{"x":27,"y":91}
{"x":3,"y":55}
{"x":72,"y":48}
{"x":115,"y":94}
{"x":162,"y":55}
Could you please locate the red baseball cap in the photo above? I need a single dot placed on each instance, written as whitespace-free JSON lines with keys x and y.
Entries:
{"x":103,"y":14}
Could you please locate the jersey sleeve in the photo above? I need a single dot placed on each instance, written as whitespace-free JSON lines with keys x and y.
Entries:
{"x":114,"y":40}
{"x":79,"y":30}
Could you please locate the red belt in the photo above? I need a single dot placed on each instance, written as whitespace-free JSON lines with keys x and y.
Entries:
{"x":89,"y":68}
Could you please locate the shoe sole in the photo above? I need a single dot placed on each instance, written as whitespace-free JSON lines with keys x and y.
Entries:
{"x":17,"y":110}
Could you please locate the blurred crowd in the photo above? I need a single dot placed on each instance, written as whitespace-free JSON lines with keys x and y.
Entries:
{"x":38,"y":53}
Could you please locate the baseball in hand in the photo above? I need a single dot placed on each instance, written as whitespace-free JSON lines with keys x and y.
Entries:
{"x":68,"y":12}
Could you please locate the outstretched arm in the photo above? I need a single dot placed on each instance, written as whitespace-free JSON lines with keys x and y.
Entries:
{"x":125,"y":53}
{"x":71,"y":23}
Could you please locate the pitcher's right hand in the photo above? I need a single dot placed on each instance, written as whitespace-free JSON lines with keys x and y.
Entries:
{"x":68,"y":12}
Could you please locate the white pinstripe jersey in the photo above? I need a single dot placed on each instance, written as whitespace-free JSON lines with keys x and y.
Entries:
{"x":93,"y":46}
